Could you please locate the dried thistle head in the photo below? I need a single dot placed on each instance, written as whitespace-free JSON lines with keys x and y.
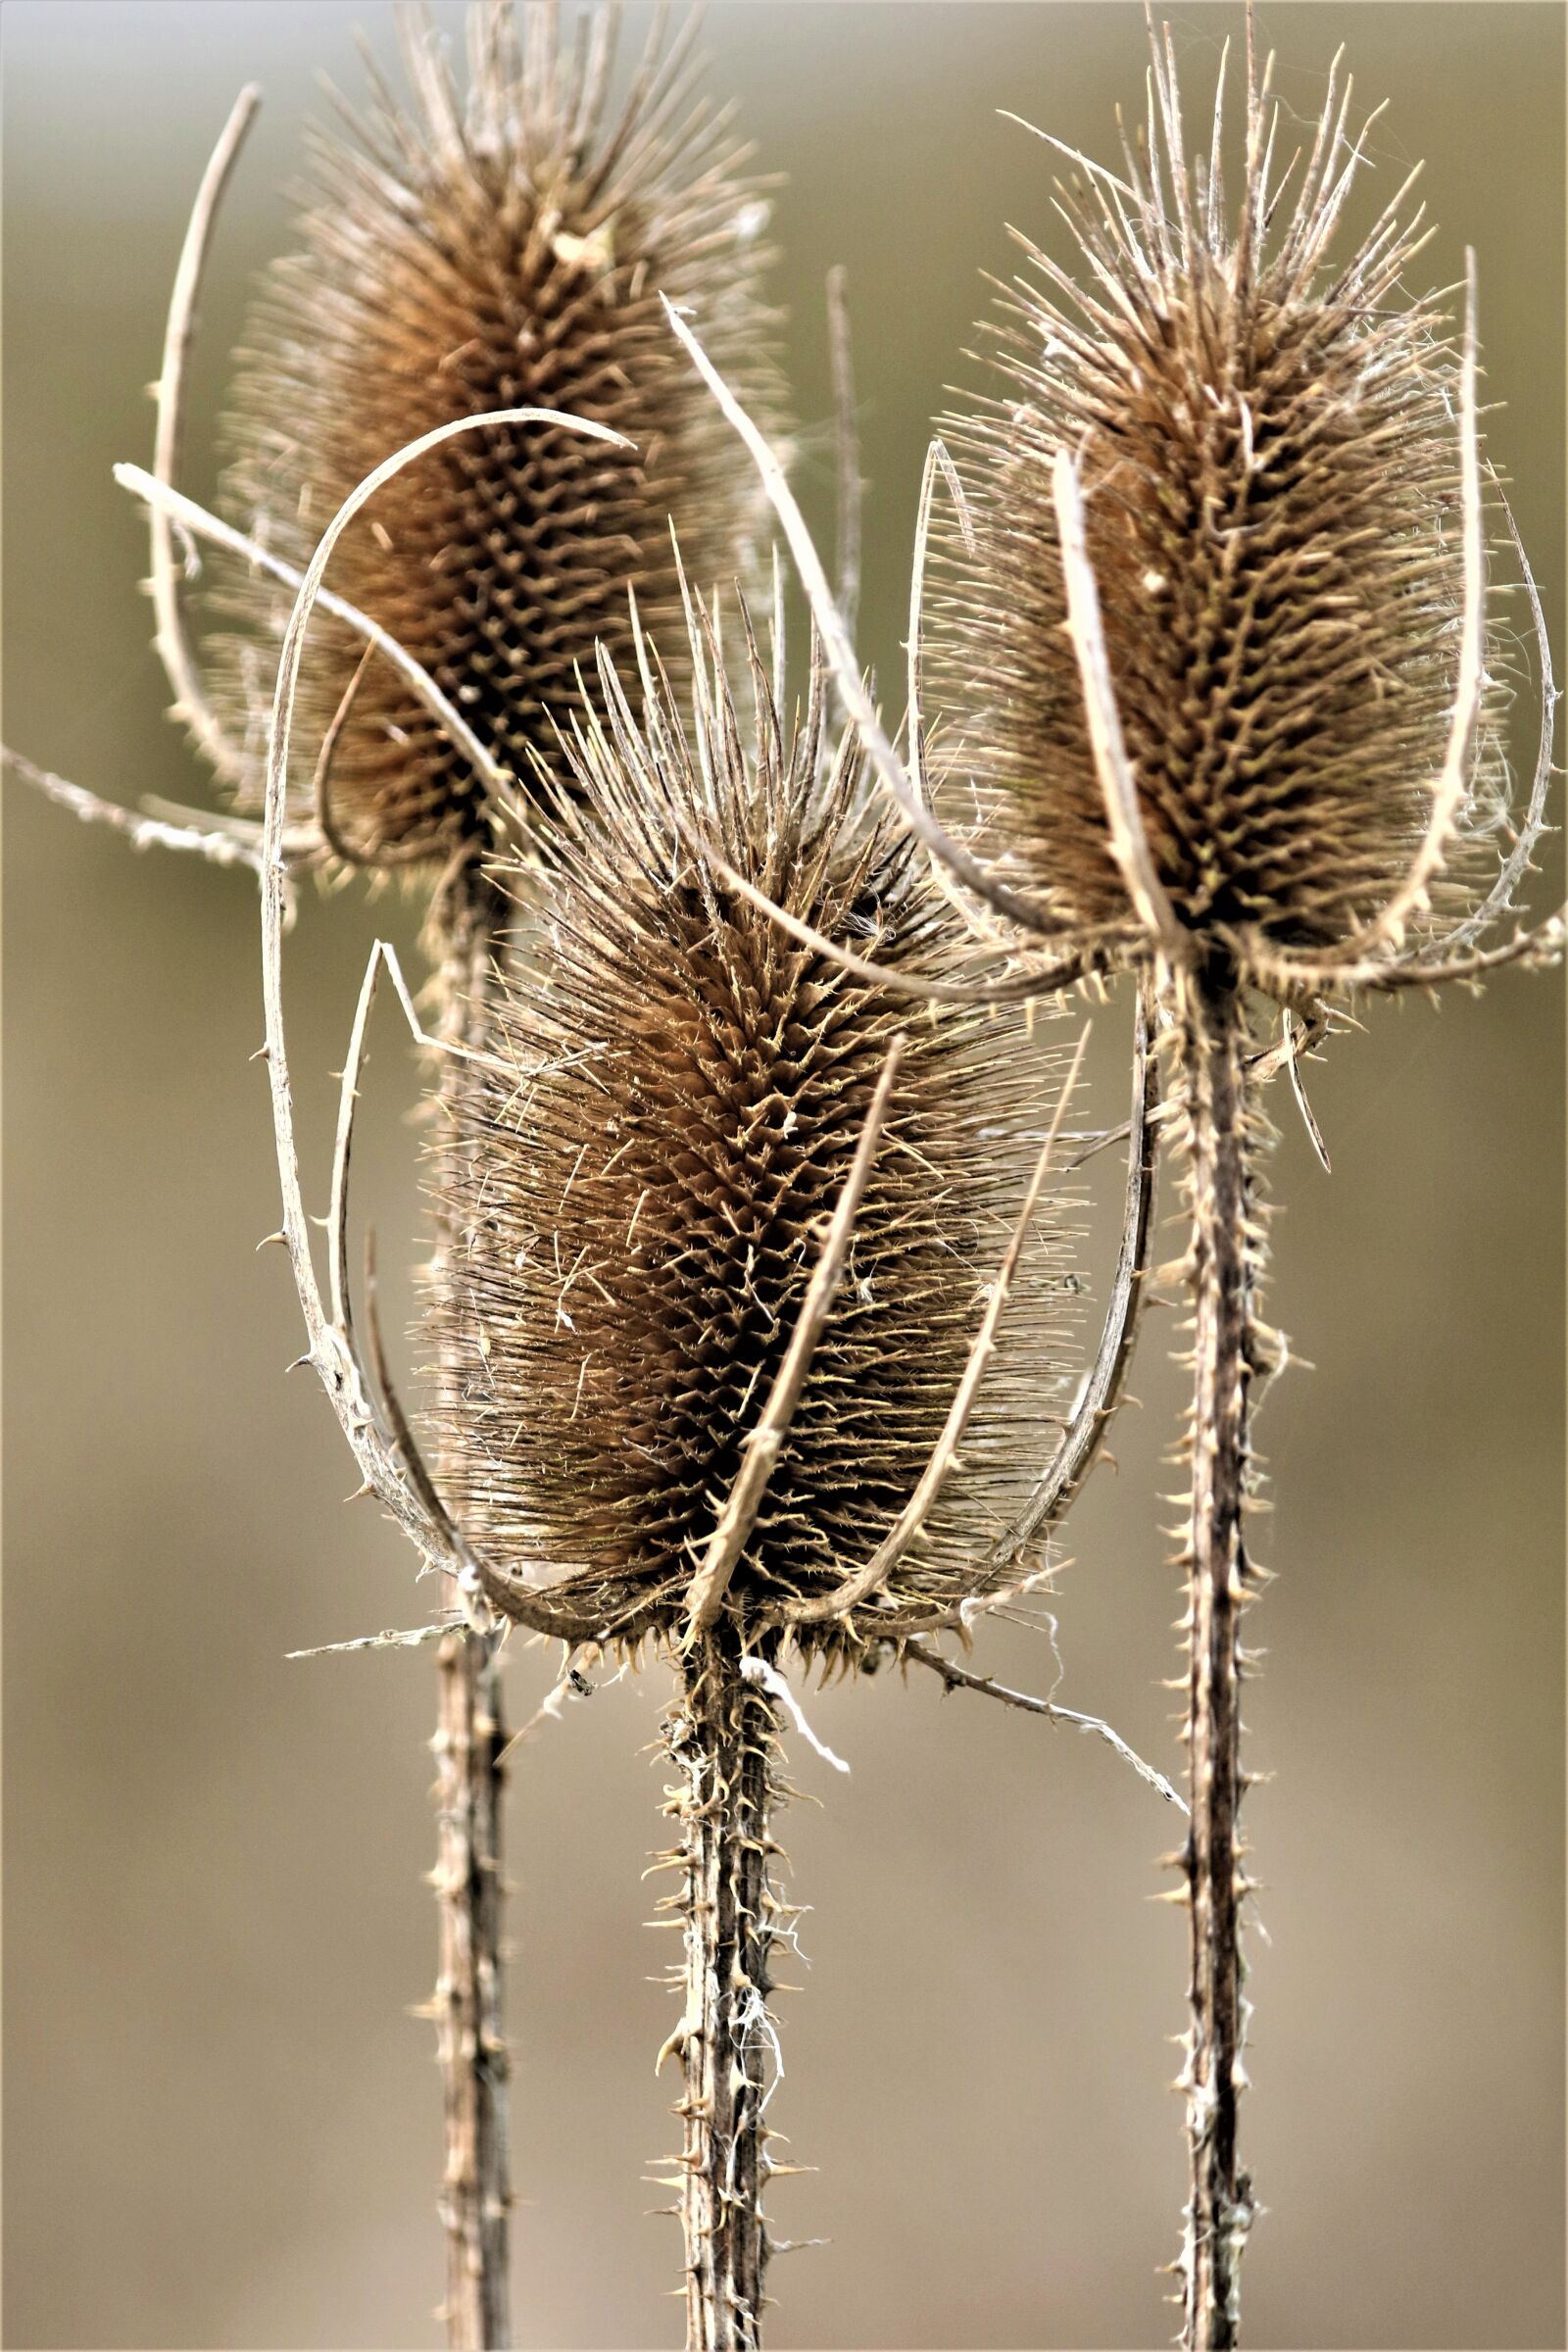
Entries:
{"x":639,"y":1192}
{"x":1264,"y":454}
{"x":501,"y":249}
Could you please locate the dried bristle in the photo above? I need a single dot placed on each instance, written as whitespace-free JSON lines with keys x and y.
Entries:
{"x":502,"y":250}
{"x":638,"y":1209}
{"x":1270,"y":461}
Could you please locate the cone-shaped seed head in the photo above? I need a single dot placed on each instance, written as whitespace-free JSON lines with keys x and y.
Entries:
{"x":1270,"y":461}
{"x":502,"y":250}
{"x":639,"y":1203}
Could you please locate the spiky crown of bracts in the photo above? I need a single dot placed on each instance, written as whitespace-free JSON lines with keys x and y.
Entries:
{"x":639,"y":1200}
{"x":1270,"y":463}
{"x":506,"y":251}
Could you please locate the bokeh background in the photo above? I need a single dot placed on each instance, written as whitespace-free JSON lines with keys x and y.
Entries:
{"x":222,"y":2125}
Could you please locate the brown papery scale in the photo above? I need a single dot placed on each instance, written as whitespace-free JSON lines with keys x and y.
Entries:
{"x":499,"y":248}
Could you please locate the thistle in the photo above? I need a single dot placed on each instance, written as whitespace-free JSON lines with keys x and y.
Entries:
{"x":1211,"y":636}
{"x":469,"y":333}
{"x":1272,"y":513}
{"x":694,"y":1134}
{"x":642,"y":872}
{"x":673,"y":1104}
{"x":494,"y":250}
{"x":479,"y":255}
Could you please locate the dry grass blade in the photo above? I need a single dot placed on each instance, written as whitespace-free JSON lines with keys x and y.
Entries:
{"x":1294,"y":1054}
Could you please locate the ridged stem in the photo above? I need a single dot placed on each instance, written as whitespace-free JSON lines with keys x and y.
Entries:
{"x":721,"y":1734}
{"x":1222,"y":1270}
{"x":471,"y":1739}
{"x":470,"y":2023}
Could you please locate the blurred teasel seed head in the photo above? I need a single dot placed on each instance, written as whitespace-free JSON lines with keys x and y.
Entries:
{"x":677,"y":1093}
{"x":1269,"y":447}
{"x":500,"y":248}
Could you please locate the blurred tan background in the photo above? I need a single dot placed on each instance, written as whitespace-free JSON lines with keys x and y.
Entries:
{"x":221,"y":2127}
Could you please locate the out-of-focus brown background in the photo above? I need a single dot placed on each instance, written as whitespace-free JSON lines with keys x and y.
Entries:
{"x":221,"y":2123}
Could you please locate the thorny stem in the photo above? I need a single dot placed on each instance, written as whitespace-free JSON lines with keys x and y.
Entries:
{"x":470,"y":2039}
{"x":1222,"y":1270}
{"x":721,"y":1734}
{"x":469,"y":1741}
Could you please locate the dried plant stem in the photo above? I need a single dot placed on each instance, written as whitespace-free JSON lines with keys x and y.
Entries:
{"x":721,"y":1736}
{"x":470,"y":2026}
{"x":469,"y":1742}
{"x":1222,"y":1269}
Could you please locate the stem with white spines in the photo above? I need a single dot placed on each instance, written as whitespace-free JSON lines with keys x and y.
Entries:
{"x":1223,"y":1270}
{"x":468,"y":1744}
{"x":721,"y":1737}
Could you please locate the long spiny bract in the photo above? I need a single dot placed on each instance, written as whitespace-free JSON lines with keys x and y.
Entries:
{"x":1268,"y":455}
{"x":502,"y":249}
{"x":639,"y":1221}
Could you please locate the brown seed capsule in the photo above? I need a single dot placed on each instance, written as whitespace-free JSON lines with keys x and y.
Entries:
{"x":639,"y":1196}
{"x":1269,"y":456}
{"x":504,"y":248}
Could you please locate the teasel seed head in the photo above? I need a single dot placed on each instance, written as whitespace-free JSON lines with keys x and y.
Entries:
{"x":502,"y":249}
{"x":678,"y":1092}
{"x":1268,"y":448}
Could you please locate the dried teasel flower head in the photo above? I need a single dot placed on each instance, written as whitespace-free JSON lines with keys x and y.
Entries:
{"x":678,"y":1095}
{"x":1214,"y":621}
{"x":499,"y":249}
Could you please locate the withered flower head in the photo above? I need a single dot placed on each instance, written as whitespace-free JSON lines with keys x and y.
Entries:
{"x":501,"y":249}
{"x":1269,"y":451}
{"x":639,"y":1192}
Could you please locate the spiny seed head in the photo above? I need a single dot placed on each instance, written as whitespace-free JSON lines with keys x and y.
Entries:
{"x":1269,"y":456}
{"x":502,"y":250}
{"x":638,"y":1197}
